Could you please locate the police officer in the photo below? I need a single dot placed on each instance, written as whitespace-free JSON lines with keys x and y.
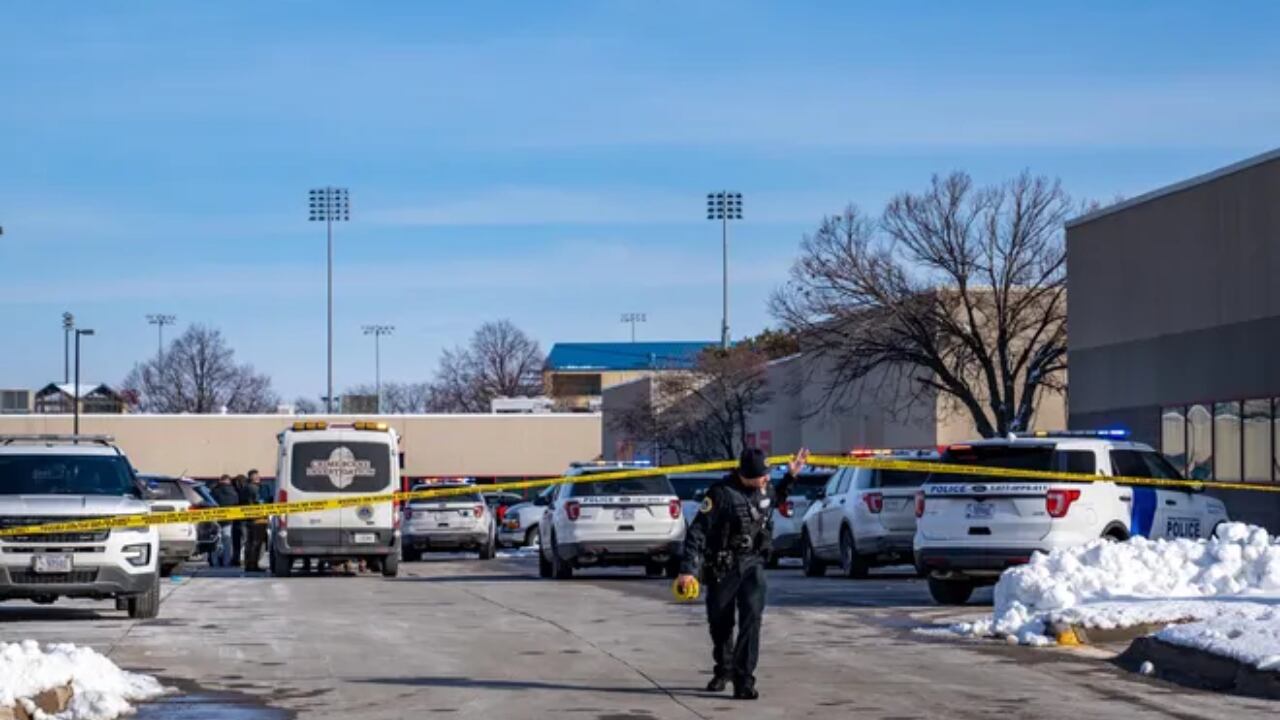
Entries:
{"x":728,"y":544}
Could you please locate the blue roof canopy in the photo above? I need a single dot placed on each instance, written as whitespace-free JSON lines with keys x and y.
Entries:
{"x":625,"y":355}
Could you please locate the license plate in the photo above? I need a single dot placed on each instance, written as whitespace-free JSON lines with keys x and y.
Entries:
{"x":624,"y":514}
{"x":366,"y":538}
{"x":52,"y":563}
{"x":980,"y":511}
{"x":1182,"y":528}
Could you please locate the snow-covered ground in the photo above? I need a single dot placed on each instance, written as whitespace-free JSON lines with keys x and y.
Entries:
{"x":1223,"y":594}
{"x":101,"y":690}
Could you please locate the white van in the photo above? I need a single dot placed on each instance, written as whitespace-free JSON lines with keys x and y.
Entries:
{"x":324,"y":461}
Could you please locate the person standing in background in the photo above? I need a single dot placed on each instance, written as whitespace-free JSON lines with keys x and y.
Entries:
{"x":255,"y":529}
{"x":238,"y":526}
{"x":224,"y":493}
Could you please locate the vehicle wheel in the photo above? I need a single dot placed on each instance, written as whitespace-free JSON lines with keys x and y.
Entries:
{"x":813,"y":566}
{"x":544,"y":566}
{"x":488,"y":550}
{"x":390,"y":565}
{"x":531,"y":537}
{"x":281,"y":565}
{"x":654,"y":570}
{"x":950,"y":592}
{"x":852,"y":564}
{"x":560,"y":570}
{"x":167,"y":569}
{"x":146,"y":605}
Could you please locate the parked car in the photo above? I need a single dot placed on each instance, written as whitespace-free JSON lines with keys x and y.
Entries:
{"x":863,"y":517}
{"x":691,"y":488}
{"x":54,"y":478}
{"x":207,"y":536}
{"x":519,"y":526}
{"x":500,"y":502}
{"x":178,"y":541}
{"x":448,"y":524}
{"x":970,"y":529}
{"x":788,"y":515}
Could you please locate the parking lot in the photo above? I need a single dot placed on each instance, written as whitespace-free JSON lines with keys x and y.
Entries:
{"x":457,"y":637}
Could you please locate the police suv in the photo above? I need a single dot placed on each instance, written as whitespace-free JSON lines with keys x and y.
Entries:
{"x":864,"y":517}
{"x":970,"y":528}
{"x":448,"y":523}
{"x":612,"y":523}
{"x":788,"y":517}
{"x":56,"y":478}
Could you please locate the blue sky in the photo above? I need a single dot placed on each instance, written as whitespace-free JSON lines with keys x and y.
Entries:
{"x":544,"y":162}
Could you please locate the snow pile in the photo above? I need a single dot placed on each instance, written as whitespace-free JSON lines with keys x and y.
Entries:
{"x":1107,"y":584}
{"x":1250,"y":637}
{"x":100,"y":690}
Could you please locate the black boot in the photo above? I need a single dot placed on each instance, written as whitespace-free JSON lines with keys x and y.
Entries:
{"x":745,"y":692}
{"x":717,"y":684}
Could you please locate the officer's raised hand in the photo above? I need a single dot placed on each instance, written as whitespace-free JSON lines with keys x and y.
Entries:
{"x":798,"y":462}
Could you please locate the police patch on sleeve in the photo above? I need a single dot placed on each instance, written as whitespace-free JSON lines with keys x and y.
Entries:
{"x":706,"y":505}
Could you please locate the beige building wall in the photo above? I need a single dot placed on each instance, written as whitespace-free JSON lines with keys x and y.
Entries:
{"x":434,"y":445}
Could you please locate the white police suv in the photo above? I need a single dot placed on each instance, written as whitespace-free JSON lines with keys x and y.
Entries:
{"x":449,"y":523}
{"x":638,"y":521}
{"x":788,"y":517}
{"x":56,"y":478}
{"x":864,"y":517}
{"x":970,"y":529}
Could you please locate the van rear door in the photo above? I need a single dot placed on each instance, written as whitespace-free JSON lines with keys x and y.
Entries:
{"x":347,"y":462}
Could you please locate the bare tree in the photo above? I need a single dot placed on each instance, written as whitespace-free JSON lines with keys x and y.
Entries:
{"x":198,"y":374}
{"x":500,"y":361}
{"x":958,"y":291}
{"x":306,"y":406}
{"x":398,"y":397}
{"x":702,"y":413}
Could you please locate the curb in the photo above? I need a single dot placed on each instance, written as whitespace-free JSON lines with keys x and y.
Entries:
{"x":1200,"y":669}
{"x":1069,"y":635}
{"x":50,"y":702}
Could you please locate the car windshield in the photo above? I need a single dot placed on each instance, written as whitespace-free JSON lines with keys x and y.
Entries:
{"x":467,"y":498}
{"x":65,"y":475}
{"x":808,"y":484}
{"x":657,"y":485}
{"x":1013,"y":457}
{"x":901,"y":478}
{"x":687,"y":487}
{"x":164,"y":489}
{"x":206,"y":497}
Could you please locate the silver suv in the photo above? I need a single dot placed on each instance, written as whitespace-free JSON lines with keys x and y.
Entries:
{"x":55,"y":478}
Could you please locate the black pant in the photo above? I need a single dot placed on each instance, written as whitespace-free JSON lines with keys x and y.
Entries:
{"x":741,"y":590}
{"x":255,"y":538}
{"x":237,"y":540}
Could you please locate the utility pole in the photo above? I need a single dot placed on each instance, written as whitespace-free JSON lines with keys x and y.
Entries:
{"x":160,"y":321}
{"x":633,"y":318}
{"x":724,"y":206}
{"x":75,"y":402}
{"x":68,"y":324}
{"x":377,"y":331}
{"x":330,"y":205}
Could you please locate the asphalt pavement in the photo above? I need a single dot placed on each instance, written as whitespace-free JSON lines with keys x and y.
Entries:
{"x":458,"y":637}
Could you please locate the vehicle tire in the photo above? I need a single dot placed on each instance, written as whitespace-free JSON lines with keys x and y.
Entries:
{"x":489,"y":549}
{"x":531,"y":537}
{"x":146,"y":605}
{"x":654,"y":570}
{"x":390,"y":565}
{"x":560,"y":570}
{"x":950,"y":592}
{"x":281,"y":565}
{"x":544,"y":566}
{"x":852,"y":565}
{"x":813,"y":565}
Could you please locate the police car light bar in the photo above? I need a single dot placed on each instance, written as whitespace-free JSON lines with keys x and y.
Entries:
{"x":1114,"y":433}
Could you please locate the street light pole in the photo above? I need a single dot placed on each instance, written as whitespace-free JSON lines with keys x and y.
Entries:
{"x":75,"y":403}
{"x":160,"y":321}
{"x":724,"y":206}
{"x":68,"y":324}
{"x":377,"y":331}
{"x":633,"y":318}
{"x":330,"y":204}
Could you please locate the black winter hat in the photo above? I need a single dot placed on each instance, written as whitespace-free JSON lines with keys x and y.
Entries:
{"x":752,"y":464}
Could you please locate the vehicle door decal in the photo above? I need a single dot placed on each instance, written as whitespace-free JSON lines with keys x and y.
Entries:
{"x":1143,"y":513}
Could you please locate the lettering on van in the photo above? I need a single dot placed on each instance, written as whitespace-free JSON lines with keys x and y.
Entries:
{"x":342,"y":467}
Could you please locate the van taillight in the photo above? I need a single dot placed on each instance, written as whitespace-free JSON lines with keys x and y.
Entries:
{"x":573,"y":510}
{"x":874,"y":501}
{"x":673,"y":507}
{"x":1058,"y":502}
{"x":919,"y":503}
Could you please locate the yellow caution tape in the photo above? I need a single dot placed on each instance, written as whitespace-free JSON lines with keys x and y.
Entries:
{"x":252,"y":512}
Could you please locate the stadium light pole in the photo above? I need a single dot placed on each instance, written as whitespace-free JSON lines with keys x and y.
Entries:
{"x":160,"y":321}
{"x":377,"y":331}
{"x":330,"y":205}
{"x":75,"y":403}
{"x":68,"y":324}
{"x":724,"y":206}
{"x":633,"y":318}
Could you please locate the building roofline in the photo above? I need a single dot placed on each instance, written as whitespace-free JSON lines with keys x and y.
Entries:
{"x":1177,"y":187}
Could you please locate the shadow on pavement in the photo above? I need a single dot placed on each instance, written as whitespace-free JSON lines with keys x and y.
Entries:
{"x":45,"y":613}
{"x":524,"y":685}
